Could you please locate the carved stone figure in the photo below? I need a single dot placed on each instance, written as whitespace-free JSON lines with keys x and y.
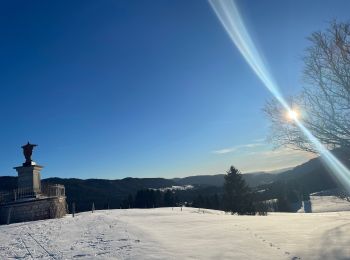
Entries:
{"x":27,"y":152}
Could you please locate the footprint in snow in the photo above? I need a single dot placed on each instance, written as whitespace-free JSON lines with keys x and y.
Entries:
{"x":123,"y":239}
{"x":81,"y":255}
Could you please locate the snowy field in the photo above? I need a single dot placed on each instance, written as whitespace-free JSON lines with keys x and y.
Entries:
{"x":326,"y":204}
{"x":174,"y":234}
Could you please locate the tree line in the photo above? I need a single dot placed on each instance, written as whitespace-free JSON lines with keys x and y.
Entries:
{"x":237,"y":198}
{"x":151,"y":198}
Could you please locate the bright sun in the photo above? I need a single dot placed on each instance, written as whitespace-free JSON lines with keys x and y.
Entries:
{"x":293,"y":115}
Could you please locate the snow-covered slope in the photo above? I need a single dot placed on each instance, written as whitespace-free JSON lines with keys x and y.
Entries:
{"x":175,"y":234}
{"x":326,"y":204}
{"x":326,"y":201}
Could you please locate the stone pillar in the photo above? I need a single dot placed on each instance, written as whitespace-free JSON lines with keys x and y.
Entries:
{"x":29,"y":177}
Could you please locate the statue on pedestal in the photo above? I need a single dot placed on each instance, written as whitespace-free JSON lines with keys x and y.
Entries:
{"x":27,"y":152}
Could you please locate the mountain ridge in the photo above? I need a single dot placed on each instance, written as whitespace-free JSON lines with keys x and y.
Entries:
{"x":311,"y":176}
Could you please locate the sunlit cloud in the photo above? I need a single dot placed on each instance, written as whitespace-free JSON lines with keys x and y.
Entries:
{"x":225,"y":150}
{"x":237,"y":148}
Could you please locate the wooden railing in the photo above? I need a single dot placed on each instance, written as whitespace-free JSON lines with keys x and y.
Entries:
{"x":47,"y":190}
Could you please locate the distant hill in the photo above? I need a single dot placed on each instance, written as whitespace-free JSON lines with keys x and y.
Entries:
{"x":8,"y":183}
{"x":110,"y":193}
{"x":280,"y":170}
{"x":205,"y":180}
{"x":103,"y":193}
{"x":252,"y":179}
{"x":299,"y":182}
{"x":306,"y":178}
{"x":313,"y":174}
{"x":259,"y":178}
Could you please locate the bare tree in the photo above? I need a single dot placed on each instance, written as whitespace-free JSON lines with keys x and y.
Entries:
{"x":324,"y":102}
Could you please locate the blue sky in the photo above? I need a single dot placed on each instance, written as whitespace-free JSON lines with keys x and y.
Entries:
{"x":110,"y":89}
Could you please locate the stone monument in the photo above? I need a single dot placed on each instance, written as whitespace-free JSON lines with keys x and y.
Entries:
{"x":29,"y":173}
{"x":31,"y":200}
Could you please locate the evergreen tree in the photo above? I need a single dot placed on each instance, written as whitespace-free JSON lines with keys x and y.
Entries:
{"x":237,"y":195}
{"x":283,"y":205}
{"x":216,"y":202}
{"x":198,"y":201}
{"x":158,"y":199}
{"x":169,"y":200}
{"x":130,"y":202}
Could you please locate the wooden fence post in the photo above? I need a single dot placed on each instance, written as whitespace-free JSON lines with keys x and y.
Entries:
{"x":9,"y":216}
{"x":73,"y":209}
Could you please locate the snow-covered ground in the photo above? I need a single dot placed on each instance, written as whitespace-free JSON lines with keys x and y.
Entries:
{"x":326,"y":201}
{"x":326,"y":204}
{"x":174,"y":234}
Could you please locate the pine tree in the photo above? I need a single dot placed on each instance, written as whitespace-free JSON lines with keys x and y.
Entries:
{"x":168,"y":199}
{"x":216,"y":202}
{"x":237,"y":195}
{"x":130,"y":202}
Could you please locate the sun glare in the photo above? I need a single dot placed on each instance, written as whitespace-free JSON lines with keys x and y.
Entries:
{"x":293,"y":115}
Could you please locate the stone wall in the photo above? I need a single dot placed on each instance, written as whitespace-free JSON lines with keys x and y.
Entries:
{"x":37,"y":209}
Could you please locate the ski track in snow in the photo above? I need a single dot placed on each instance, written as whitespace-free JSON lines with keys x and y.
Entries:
{"x":168,"y":233}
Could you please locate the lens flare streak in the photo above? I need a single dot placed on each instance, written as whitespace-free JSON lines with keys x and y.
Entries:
{"x":230,"y":18}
